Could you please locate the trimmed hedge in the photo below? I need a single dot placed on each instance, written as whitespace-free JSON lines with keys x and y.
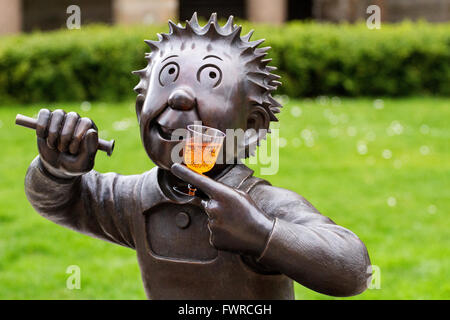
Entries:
{"x":95,"y":63}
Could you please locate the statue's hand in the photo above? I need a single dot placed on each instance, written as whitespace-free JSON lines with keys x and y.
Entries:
{"x":67,"y":143}
{"x":234,"y":220}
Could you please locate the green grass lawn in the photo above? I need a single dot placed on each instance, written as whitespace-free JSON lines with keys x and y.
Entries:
{"x":379,"y":168}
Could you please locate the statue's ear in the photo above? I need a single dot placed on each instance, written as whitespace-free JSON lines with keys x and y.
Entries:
{"x":258,"y":122}
{"x":139,"y":104}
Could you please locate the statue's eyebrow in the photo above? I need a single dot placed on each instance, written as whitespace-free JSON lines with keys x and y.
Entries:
{"x":174,"y":55}
{"x":212,"y":56}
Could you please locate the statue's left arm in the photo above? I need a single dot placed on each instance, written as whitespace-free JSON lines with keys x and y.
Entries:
{"x":309,"y":247}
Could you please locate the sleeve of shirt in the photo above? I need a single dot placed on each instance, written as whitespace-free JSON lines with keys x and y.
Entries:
{"x":98,"y":205}
{"x":309,"y":247}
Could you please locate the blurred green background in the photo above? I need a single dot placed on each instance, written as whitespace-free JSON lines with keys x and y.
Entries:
{"x":378,"y":167}
{"x":374,"y":160}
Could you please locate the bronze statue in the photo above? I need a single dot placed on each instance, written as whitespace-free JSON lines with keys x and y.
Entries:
{"x":241,"y":238}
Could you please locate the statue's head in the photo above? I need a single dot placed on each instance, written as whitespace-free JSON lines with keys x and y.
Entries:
{"x":210,"y":74}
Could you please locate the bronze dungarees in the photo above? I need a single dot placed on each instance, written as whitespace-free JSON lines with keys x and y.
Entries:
{"x":178,"y":262}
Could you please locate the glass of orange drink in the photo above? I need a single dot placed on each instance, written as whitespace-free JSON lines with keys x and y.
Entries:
{"x":201,"y":149}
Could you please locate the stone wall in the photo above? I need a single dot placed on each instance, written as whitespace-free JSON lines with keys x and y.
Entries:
{"x":267,"y":11}
{"x":52,"y":14}
{"x":431,"y":10}
{"x":391,"y":10}
{"x":10,"y":16}
{"x":144,"y":11}
{"x":26,"y":15}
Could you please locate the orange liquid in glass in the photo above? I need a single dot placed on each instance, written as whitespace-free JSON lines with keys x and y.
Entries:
{"x":201,"y":157}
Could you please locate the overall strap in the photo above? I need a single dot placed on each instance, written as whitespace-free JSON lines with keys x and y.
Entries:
{"x":250,"y":182}
{"x":241,"y":177}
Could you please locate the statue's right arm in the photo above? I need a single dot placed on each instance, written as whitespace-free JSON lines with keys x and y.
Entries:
{"x":98,"y":205}
{"x":61,"y":185}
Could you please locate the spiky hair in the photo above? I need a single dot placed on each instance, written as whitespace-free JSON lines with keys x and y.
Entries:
{"x":258,"y":73}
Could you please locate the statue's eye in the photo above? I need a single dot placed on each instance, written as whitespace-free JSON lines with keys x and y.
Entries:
{"x":209,"y":75}
{"x":169,"y":73}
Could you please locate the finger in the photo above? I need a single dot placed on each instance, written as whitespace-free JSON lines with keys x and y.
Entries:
{"x":90,"y":142}
{"x":84,"y":124}
{"x":67,"y":131}
{"x":208,"y":185}
{"x":56,"y":122}
{"x":84,"y":160}
{"x":42,"y":122}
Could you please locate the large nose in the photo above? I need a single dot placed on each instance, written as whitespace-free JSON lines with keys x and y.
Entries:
{"x":182,"y":99}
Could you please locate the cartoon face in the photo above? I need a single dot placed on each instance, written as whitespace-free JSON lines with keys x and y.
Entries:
{"x":186,"y":86}
{"x":209,"y":74}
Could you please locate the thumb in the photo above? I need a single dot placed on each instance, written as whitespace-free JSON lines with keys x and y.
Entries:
{"x":89,"y":144}
{"x":84,"y":161}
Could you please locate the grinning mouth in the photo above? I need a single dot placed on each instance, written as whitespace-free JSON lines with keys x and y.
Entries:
{"x":166,"y":132}
{"x":170,"y":124}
